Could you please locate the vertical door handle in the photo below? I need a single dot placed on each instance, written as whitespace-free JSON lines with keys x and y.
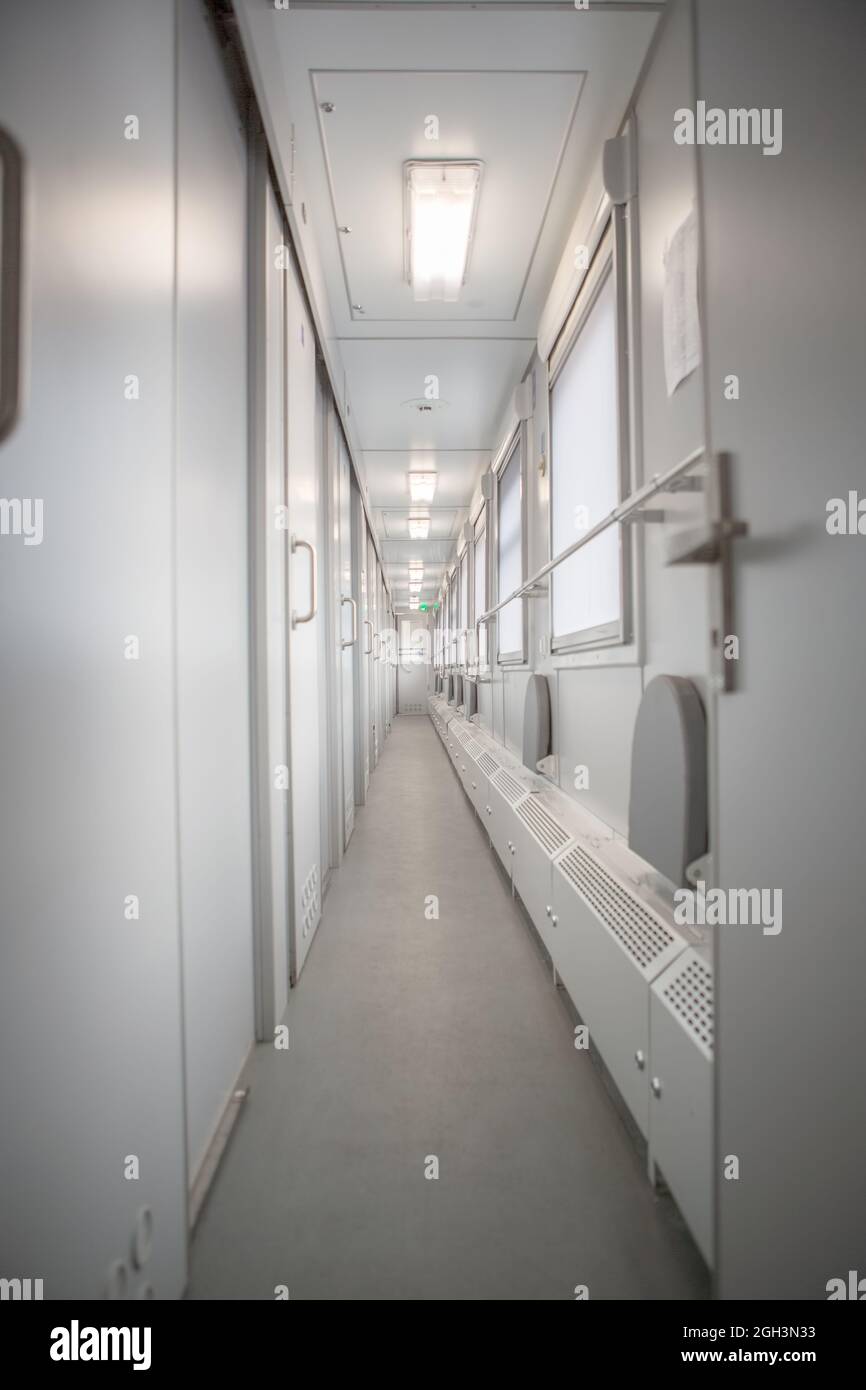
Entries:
{"x":354,"y":638}
{"x":11,"y":235}
{"x":368,"y":651}
{"x":298,"y":618}
{"x":373,"y":639}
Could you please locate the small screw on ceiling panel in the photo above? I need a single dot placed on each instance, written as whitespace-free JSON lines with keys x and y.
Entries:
{"x":359,"y":308}
{"x":344,"y":229}
{"x":327,"y":106}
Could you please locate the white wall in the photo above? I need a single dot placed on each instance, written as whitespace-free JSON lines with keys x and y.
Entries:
{"x":90,"y":1030}
{"x":784,"y":272}
{"x":595,"y":696}
{"x":213,"y":587}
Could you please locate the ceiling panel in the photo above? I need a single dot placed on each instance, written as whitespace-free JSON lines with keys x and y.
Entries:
{"x":516,"y":123}
{"x":475,"y":379}
{"x":530,"y":90}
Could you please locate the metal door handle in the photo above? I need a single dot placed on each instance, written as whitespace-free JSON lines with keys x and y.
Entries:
{"x":375,"y":638}
{"x":368,"y":651}
{"x":354,"y":638}
{"x":11,"y":236}
{"x":298,"y":618}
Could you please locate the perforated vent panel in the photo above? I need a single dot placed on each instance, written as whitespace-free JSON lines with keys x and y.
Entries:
{"x":471,"y":747}
{"x":511,"y":790}
{"x":690,"y":996}
{"x":546,"y":830}
{"x":642,"y":934}
{"x":311,"y":903}
{"x":486,"y":763}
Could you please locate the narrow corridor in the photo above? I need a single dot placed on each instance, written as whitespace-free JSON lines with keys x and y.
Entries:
{"x":414,"y":1037}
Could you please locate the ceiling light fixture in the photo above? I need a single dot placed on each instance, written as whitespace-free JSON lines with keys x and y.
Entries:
{"x":419,"y":528}
{"x":441,"y":204}
{"x":422,"y":486}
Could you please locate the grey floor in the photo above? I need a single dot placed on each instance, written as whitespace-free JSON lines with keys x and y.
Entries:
{"x":413,"y":1038}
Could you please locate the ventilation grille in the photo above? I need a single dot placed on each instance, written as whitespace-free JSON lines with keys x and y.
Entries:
{"x":643,"y":935}
{"x":311,"y":905}
{"x":511,"y":790}
{"x":690,"y":996}
{"x":546,"y":830}
{"x":471,"y":748}
{"x":486,"y":763}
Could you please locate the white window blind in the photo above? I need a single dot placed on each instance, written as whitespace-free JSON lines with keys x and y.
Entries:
{"x":481,"y":584}
{"x":510,"y":567}
{"x":587,"y":588}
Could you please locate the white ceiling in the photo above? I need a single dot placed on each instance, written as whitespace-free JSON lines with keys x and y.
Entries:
{"x":530,"y":91}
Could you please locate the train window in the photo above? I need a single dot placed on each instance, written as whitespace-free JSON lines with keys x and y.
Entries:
{"x":480,"y":584}
{"x":464,"y":603}
{"x":585,"y":482}
{"x":510,"y":625}
{"x":452,"y":618}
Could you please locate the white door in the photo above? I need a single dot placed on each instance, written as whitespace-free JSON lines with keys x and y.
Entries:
{"x":363,"y":649}
{"x":349,"y":624}
{"x":276,"y":755}
{"x":373,"y":662}
{"x":305,"y":677}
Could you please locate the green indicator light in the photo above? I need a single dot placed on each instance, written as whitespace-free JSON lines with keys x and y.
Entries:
{"x":422,"y":607}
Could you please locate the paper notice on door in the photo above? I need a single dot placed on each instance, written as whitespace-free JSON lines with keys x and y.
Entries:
{"x":680,"y":323}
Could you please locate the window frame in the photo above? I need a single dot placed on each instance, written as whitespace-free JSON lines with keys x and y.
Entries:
{"x":479,"y":532}
{"x":609,"y":261}
{"x":515,"y":445}
{"x":453,"y":604}
{"x":463,"y":595}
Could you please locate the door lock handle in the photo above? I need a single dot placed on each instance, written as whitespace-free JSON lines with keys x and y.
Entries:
{"x":298,"y":618}
{"x":347,"y":598}
{"x":11,"y":238}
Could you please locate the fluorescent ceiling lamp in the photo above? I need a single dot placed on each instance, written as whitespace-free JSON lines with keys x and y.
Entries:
{"x":419,"y":528}
{"x":416,"y":573}
{"x":414,"y":587}
{"x":422,"y":486}
{"x":414,"y":603}
{"x":441,"y":205}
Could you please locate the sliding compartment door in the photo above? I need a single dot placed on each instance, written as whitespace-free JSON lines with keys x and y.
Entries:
{"x":349,"y":626}
{"x":362,"y":650}
{"x":305,"y":677}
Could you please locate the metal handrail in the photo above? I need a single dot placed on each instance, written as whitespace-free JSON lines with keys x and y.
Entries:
{"x":657,"y":483}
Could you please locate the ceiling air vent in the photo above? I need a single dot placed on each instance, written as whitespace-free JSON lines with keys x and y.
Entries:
{"x":689,"y":995}
{"x":471,"y":748}
{"x":511,"y":790}
{"x":548,"y":832}
{"x":486,"y":763}
{"x":641,"y":933}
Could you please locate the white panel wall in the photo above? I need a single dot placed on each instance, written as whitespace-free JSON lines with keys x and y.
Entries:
{"x":595,"y":696}
{"x":784,"y":258}
{"x":675,"y":600}
{"x":90,"y":1030}
{"x":213,"y":589}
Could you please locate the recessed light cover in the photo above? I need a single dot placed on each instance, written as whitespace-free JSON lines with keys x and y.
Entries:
{"x":422,"y":486}
{"x":441,"y":203}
